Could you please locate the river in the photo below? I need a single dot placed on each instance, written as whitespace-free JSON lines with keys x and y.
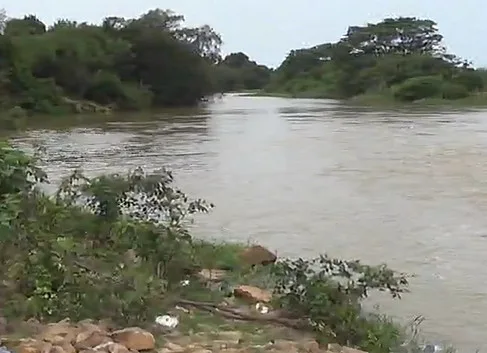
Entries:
{"x":302,"y":176}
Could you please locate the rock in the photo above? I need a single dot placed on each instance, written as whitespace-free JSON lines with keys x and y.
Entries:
{"x":33,"y":346}
{"x":68,"y":348}
{"x":112,"y":347}
{"x":173,"y":347}
{"x":91,"y":338}
{"x":89,"y":326}
{"x":58,"y":340}
{"x":134,"y":338}
{"x":311,"y":347}
{"x":252,"y":294}
{"x":58,"y":332}
{"x":106,"y":325}
{"x":56,"y":349}
{"x":212,"y":275}
{"x":258,"y":255}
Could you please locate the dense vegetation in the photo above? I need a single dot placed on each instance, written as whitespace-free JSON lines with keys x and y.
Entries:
{"x":126,"y":64}
{"x":238,"y":73}
{"x":155,"y":61}
{"x":117,"y":247}
{"x":149,"y":61}
{"x":400,"y":58}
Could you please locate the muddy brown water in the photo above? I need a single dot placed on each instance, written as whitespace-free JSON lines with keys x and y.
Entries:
{"x":405,"y":187}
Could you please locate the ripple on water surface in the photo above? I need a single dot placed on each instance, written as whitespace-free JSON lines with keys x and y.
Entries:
{"x":308,"y":176}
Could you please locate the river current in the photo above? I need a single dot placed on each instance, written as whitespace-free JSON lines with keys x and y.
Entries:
{"x":303,"y":177}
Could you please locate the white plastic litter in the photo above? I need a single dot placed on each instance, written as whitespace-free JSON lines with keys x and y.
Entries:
{"x":261,"y":308}
{"x":185,"y":282}
{"x":167,"y":321}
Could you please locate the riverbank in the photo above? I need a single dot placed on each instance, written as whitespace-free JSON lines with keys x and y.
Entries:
{"x":209,"y":322}
{"x":103,"y":336}
{"x":478,"y":100}
{"x":116,"y":247}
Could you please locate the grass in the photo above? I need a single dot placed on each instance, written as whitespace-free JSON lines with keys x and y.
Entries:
{"x":219,"y":255}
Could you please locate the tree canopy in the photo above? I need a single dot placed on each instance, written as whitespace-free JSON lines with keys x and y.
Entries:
{"x":150,"y":61}
{"x":155,"y":60}
{"x":237,"y":72}
{"x":403,"y":57}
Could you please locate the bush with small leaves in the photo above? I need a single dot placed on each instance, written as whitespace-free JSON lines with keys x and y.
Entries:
{"x":328,"y":293}
{"x":66,"y":255}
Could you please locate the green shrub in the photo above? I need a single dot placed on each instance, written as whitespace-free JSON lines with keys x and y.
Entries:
{"x":452,"y":91}
{"x":104,"y":88}
{"x":418,"y":88}
{"x":472,"y":80}
{"x":135,"y":97}
{"x":66,"y":255}
{"x":116,"y":246}
{"x":328,"y":293}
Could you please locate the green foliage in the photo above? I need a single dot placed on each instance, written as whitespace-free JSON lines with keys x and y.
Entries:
{"x":237,"y":72}
{"x":135,"y":63}
{"x":452,"y":91}
{"x":470,"y":79}
{"x":394,"y":54}
{"x":418,"y":88}
{"x":328,"y":293}
{"x":67,"y":255}
{"x":117,"y":246}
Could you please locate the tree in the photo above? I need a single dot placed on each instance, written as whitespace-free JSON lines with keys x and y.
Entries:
{"x":402,"y":35}
{"x":377,"y":59}
{"x":237,"y":72}
{"x":123,"y":63}
{"x":29,"y":25}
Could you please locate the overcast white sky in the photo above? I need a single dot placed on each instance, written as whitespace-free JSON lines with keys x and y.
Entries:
{"x":268,"y":29}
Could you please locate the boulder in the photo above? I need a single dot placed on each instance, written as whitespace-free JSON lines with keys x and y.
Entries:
{"x":58,"y":333}
{"x":33,"y":346}
{"x":173,"y":347}
{"x":91,"y":338}
{"x":257,"y":255}
{"x":112,"y":347}
{"x":57,"y":349}
{"x":68,"y":348}
{"x":252,"y":294}
{"x":134,"y":338}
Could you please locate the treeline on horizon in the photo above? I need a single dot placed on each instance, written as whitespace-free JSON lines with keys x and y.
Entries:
{"x":125,"y":64}
{"x":156,"y":61}
{"x":402,"y":59}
